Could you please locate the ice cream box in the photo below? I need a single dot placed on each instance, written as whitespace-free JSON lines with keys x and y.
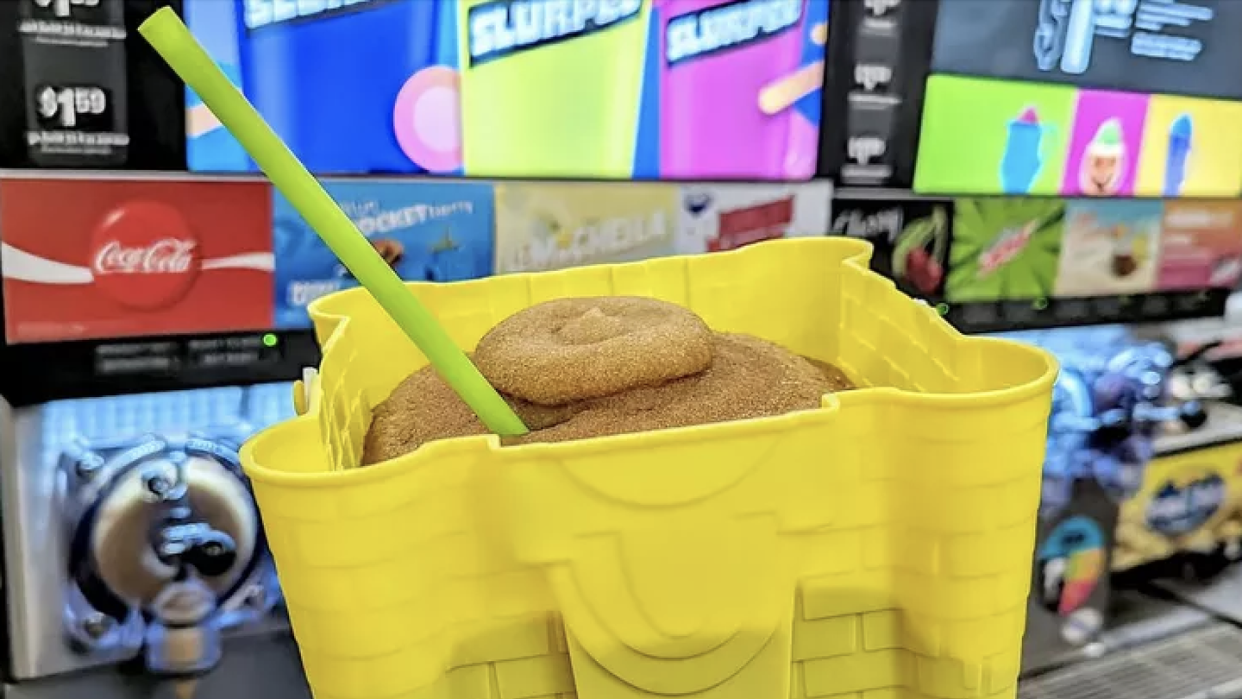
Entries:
{"x":427,"y":231}
{"x":544,"y":226}
{"x":715,"y":217}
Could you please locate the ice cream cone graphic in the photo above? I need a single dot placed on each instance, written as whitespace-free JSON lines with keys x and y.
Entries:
{"x":1181,"y":140}
{"x":1104,"y":161}
{"x":1024,"y":143}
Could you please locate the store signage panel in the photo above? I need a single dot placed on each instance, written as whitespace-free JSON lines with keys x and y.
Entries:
{"x":133,"y":258}
{"x":1047,"y":139}
{"x":1147,"y":46}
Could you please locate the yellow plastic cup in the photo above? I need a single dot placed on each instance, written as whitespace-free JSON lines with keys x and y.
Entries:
{"x":563,"y":107}
{"x":877,"y":547}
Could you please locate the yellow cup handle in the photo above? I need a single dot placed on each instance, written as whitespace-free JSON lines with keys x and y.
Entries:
{"x":304,"y":390}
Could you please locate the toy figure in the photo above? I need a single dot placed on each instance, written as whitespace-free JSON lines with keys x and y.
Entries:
{"x":1195,"y":378}
{"x":1052,"y":575}
{"x":1105,"y":415}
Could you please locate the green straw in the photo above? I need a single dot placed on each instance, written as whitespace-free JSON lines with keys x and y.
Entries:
{"x":166,"y":32}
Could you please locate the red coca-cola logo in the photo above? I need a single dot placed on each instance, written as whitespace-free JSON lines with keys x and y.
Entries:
{"x":144,"y":255}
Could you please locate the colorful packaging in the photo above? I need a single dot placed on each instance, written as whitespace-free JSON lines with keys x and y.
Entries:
{"x":551,"y":88}
{"x":329,"y":76}
{"x":1189,"y":504}
{"x":720,"y":63}
{"x":87,"y":259}
{"x":1189,"y":509}
{"x":717,"y":217}
{"x":427,"y":231}
{"x":554,"y":225}
{"x":1028,"y":138}
{"x":1201,"y":245}
{"x":1109,"y":247}
{"x":1004,"y":249}
{"x":911,"y":239}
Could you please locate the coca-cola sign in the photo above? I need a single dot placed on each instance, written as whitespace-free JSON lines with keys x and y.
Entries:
{"x":166,"y":256}
{"x":135,"y":257}
{"x":145,"y":255}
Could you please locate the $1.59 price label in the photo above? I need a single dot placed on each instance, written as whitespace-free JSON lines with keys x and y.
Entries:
{"x":78,"y":107}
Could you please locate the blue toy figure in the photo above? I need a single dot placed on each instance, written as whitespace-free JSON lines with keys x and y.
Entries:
{"x":1106,"y":410}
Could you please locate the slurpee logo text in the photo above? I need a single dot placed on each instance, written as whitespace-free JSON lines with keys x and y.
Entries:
{"x":262,"y":13}
{"x":505,"y":27}
{"x":727,"y":27}
{"x":1008,"y":246}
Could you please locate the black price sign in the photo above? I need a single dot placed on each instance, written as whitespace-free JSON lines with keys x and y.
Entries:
{"x":73,"y":53}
